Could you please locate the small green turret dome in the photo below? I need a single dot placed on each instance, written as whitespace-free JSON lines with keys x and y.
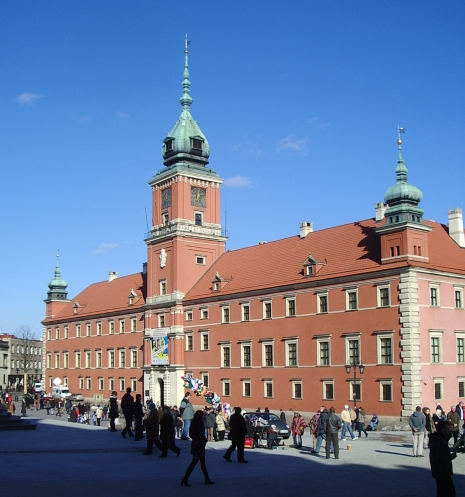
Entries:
{"x":57,"y":286}
{"x":185,"y":142}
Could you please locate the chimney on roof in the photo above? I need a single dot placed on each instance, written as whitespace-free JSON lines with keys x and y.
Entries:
{"x":380,"y":209}
{"x":112,"y":275}
{"x":144,"y":268}
{"x":305,"y":229}
{"x":456,"y":226}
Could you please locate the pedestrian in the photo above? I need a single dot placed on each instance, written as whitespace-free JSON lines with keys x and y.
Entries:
{"x":320,"y":429}
{"x":282,"y":416}
{"x":152,"y":429}
{"x":12,"y":408}
{"x":47,"y":407}
{"x":187,"y":412}
{"x":52,"y":406}
{"x":72,"y":415}
{"x":361,"y":422}
{"x":332,"y":425}
{"x":113,"y":410}
{"x":220,"y":425}
{"x":313,"y":425}
{"x":209,"y":420}
{"x":453,"y":420}
{"x":167,"y":433}
{"x":68,"y":406}
{"x":298,"y":426}
{"x":99,"y":415}
{"x":417,"y":423}
{"x":138,"y":415}
{"x":177,"y":420}
{"x":430,"y":427}
{"x":104,"y":412}
{"x":440,"y":458}
{"x":346,"y":420}
{"x":199,"y":441}
{"x":238,"y":431}
{"x":459,"y":408}
{"x":127,"y":406}
{"x":374,"y":422}
{"x":37,"y":402}
{"x":23,"y":408}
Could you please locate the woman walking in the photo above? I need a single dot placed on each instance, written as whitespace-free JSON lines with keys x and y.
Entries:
{"x":197,"y":434}
{"x":113,"y":410}
{"x":361,"y":422}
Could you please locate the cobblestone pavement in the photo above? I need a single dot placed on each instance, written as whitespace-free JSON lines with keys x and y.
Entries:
{"x":83,"y":458}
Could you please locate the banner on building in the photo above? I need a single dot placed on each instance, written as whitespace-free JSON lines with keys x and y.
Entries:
{"x":159,"y":343}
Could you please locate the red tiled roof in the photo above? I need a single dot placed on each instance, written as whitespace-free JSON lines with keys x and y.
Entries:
{"x":104,"y":297}
{"x":349,"y":249}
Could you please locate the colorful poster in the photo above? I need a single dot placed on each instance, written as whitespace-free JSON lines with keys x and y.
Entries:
{"x":159,"y":343}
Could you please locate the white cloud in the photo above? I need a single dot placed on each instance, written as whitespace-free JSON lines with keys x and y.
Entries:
{"x":290,"y":142}
{"x":28,"y":98}
{"x":237,"y":182}
{"x":245,"y":148}
{"x":122,"y":115}
{"x":316,"y":123}
{"x":105,"y":247}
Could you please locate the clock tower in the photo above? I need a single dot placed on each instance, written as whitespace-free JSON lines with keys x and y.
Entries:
{"x":185,"y":240}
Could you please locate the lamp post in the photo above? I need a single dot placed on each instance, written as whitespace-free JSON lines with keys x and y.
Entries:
{"x":362,"y":369}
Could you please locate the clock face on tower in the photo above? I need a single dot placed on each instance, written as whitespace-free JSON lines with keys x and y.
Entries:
{"x":166,"y":198}
{"x":198,"y":197}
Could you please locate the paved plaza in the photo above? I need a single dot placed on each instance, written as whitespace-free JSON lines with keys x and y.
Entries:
{"x":74,"y":459}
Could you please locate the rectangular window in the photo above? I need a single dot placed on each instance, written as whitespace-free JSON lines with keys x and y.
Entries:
{"x":121,"y":325}
{"x":198,"y":218}
{"x":88,"y":330}
{"x":204,"y":313}
{"x":383,"y":297}
{"x":133,"y":358}
{"x":385,"y":391}
{"x":291,"y":307}
{"x":291,"y":355}
{"x":245,"y":312}
{"x":296,"y":389}
{"x":98,"y":359}
{"x":134,"y":385}
{"x":434,"y":296}
{"x":100,"y":383}
{"x":322,"y":304}
{"x":189,"y":315}
{"x":57,"y":360}
{"x":461,"y":388}
{"x":111,"y":358}
{"x":162,"y":287}
{"x":204,"y":345}
{"x":49,"y":333}
{"x":267,"y":354}
{"x":458,"y":293}
{"x":460,"y":349}
{"x":111,"y":329}
{"x":88,"y":382}
{"x":88,"y":359}
{"x":134,"y":325}
{"x":81,"y":383}
{"x":438,"y":389}
{"x":225,"y":314}
{"x":246,"y":356}
{"x":226,"y":356}
{"x":78,"y":360}
{"x":99,"y":329}
{"x":385,"y":354}
{"x":65,"y":381}
{"x":200,"y":259}
{"x":323,"y":353}
{"x":78,"y":331}
{"x":246,"y":388}
{"x":205,"y":379}
{"x":122,"y":358}
{"x":266,"y":310}
{"x":328,"y":390}
{"x":353,"y":351}
{"x":111,"y":384}
{"x":268,"y":393}
{"x":57,"y":333}
{"x":66,"y":360}
{"x":66,"y":332}
{"x":356,"y":390}
{"x":436,"y":348}
{"x":351,"y":300}
{"x":161,"y":320}
{"x":189,"y":342}
{"x":226,"y":388}
{"x":122,"y":385}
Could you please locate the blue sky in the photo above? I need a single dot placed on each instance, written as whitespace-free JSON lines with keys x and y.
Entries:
{"x":299,"y":100}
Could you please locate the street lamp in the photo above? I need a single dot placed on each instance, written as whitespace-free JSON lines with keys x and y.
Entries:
{"x":362,"y":369}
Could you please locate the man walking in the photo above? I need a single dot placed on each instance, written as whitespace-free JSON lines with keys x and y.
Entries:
{"x":346,"y":423}
{"x":461,"y":413}
{"x":187,"y":412}
{"x":453,"y":420}
{"x":332,"y":426}
{"x":440,"y":458}
{"x":127,"y":406}
{"x":320,"y":430}
{"x":238,"y":430}
{"x":417,"y":423}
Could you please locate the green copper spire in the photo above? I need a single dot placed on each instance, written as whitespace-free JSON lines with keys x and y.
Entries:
{"x":403,"y":198}
{"x":57,"y":286}
{"x":185,"y":143}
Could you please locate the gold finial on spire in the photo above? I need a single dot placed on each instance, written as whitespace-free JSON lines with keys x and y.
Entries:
{"x":399,"y":131}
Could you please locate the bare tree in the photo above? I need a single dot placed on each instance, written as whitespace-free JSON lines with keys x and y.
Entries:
{"x":24,"y":351}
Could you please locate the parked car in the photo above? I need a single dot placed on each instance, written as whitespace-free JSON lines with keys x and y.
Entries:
{"x":266,"y":426}
{"x":77,"y":397}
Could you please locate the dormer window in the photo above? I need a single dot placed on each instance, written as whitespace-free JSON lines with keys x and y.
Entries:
{"x":309,"y":270}
{"x":216,"y":286}
{"x":196,"y":144}
{"x":168,"y":145}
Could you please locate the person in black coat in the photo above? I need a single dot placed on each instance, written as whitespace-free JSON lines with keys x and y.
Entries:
{"x":238,"y":431}
{"x":113,"y":413}
{"x":127,"y":406}
{"x":138,"y":415}
{"x":440,"y":457}
{"x":197,"y":434}
{"x":167,"y":433}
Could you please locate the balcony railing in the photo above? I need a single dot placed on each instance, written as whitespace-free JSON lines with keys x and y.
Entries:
{"x":176,"y":226}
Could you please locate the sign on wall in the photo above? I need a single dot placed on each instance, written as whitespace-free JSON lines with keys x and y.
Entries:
{"x":159,"y":343}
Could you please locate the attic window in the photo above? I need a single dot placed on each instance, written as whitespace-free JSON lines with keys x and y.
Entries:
{"x":196,"y":144}
{"x":168,"y":146}
{"x":216,"y":286}
{"x":131,"y":300}
{"x":309,"y":270}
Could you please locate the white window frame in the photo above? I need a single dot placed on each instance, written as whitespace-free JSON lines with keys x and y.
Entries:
{"x":460,"y":379}
{"x":134,"y":384}
{"x":78,"y":331}
{"x":189,"y":315}
{"x":57,"y":333}
{"x":81,"y":383}
{"x":163,"y":287}
{"x":459,"y":334}
{"x":246,"y":344}
{"x":379,"y":337}
{"x":161,"y":320}
{"x":111,"y":327}
{"x":88,"y":383}
{"x":198,"y":213}
{"x":438,"y":381}
{"x":99,"y":328}
{"x":203,"y":334}
{"x":243,"y":306}
{"x":111,"y":384}
{"x":295,"y":342}
{"x":348,"y":293}
{"x":100,"y":383}
{"x":57,"y":360}
{"x":460,"y":290}
{"x":435,"y":334}
{"x":133,"y":357}
{"x":77,"y":359}
{"x":65,"y":360}
{"x":200,"y":260}
{"x":265,"y":303}
{"x":378,"y":295}
{"x":122,"y":354}
{"x":244,"y":382}
{"x":206,"y":376}
{"x":351,"y":389}
{"x":265,"y":393}
{"x":327,"y":382}
{"x":66,"y":332}
{"x":225,"y":382}
{"x":122,"y":325}
{"x":189,"y":335}
{"x":88,"y":358}
{"x":110,"y":352}
{"x":288,"y":300}
{"x":133,"y":325}
{"x":264,"y":345}
{"x":223,"y":347}
{"x":348,"y":339}
{"x":223,"y":314}
{"x":98,"y":358}
{"x":381,"y":384}
{"x":204,"y":314}
{"x":49,"y":333}
{"x":122,"y":385}
{"x":318,"y":303}
{"x":434,"y":286}
{"x":319,"y":341}
{"x":294,"y":384}
{"x":65,"y":381}
{"x":88,"y":330}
